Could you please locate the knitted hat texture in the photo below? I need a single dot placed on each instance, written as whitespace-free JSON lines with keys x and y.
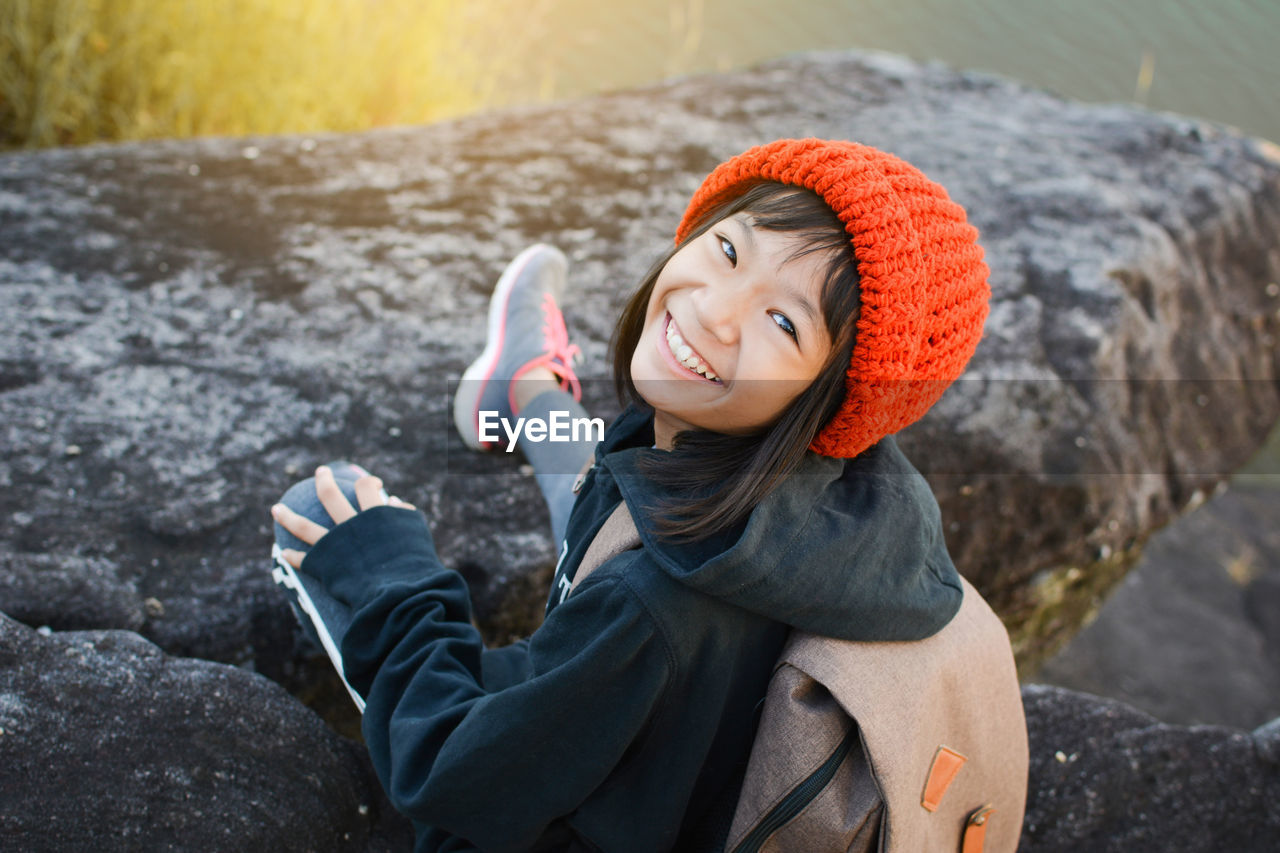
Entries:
{"x":923,"y":283}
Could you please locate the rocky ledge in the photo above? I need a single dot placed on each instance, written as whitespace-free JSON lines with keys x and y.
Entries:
{"x":106,"y":743}
{"x":1107,"y":777}
{"x":195,"y":324}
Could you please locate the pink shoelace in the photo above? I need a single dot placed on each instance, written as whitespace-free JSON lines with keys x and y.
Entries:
{"x":558,"y":353}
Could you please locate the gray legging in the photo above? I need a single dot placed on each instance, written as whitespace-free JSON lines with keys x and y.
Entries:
{"x":555,"y":467}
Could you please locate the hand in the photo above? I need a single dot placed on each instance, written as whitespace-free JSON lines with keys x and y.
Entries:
{"x":369,"y":493}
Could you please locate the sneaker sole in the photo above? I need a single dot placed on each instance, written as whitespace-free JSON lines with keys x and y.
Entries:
{"x":287,"y":577}
{"x":466,"y":414}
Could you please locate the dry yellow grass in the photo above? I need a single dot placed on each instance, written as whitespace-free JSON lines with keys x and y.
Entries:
{"x":78,"y":71}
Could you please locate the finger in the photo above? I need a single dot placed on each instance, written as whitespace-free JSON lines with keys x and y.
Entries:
{"x":331,"y":497}
{"x":292,"y":557}
{"x":369,"y":492}
{"x":304,"y":528}
{"x":396,"y":502}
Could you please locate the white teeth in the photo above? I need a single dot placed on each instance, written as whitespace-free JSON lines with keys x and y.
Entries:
{"x":685,"y":354}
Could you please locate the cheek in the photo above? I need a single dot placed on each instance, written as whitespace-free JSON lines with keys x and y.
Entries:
{"x":636,"y":362}
{"x":644,"y":355}
{"x":653,"y":311}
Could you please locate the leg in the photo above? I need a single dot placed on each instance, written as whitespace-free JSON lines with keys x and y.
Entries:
{"x":526,"y":370}
{"x":556,"y":463}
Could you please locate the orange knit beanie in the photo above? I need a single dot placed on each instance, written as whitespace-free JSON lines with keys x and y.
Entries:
{"x":924,"y":289}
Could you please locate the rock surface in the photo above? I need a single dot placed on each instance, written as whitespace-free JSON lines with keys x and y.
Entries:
{"x":1107,"y":777}
{"x":106,"y":743}
{"x":203,"y":321}
{"x":199,"y":323}
{"x":1192,"y":635}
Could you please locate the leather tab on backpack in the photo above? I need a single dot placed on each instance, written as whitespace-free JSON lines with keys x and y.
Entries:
{"x":946,"y":764}
{"x":975,"y":830}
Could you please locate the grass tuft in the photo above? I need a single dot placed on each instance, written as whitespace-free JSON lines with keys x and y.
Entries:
{"x":80,"y":71}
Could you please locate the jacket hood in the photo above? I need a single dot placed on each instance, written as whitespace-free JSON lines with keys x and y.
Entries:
{"x":846,"y":548}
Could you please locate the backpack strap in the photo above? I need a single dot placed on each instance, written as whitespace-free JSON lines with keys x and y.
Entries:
{"x":617,"y":534}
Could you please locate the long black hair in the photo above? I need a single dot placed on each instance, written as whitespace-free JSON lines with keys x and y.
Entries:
{"x":714,"y":479}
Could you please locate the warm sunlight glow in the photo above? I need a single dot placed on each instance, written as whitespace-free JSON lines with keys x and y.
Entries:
{"x":77,"y":71}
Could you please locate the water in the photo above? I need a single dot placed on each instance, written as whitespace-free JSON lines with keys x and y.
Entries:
{"x":1218,"y":60}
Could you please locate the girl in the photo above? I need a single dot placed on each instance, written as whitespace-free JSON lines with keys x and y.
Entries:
{"x":820,"y":296}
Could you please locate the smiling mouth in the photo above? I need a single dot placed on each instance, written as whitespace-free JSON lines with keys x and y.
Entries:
{"x":685,"y":356}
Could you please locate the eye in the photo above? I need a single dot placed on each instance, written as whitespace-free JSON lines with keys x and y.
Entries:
{"x":729,"y":252}
{"x":785,"y":324}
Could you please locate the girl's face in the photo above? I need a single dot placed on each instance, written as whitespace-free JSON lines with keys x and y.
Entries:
{"x":733,"y":332}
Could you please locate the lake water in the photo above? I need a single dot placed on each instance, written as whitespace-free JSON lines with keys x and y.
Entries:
{"x":1219,"y":59}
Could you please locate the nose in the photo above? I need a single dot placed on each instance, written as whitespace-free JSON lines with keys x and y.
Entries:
{"x":719,"y":311}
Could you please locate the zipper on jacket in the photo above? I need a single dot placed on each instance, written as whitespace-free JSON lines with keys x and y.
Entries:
{"x":799,"y":797}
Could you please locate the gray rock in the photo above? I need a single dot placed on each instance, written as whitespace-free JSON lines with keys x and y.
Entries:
{"x":70,"y":591}
{"x":1192,"y":635}
{"x":204,"y":321}
{"x":1107,"y":777}
{"x":106,"y":743}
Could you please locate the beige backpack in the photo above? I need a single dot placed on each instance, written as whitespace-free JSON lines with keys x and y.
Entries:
{"x":895,"y":747}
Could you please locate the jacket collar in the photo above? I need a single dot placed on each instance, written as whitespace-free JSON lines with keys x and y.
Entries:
{"x":846,"y":548}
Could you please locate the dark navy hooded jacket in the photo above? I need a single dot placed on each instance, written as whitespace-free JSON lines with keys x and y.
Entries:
{"x":623,"y":724}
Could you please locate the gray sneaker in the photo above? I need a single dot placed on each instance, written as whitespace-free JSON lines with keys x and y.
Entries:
{"x":526,"y":330}
{"x":324,"y":620}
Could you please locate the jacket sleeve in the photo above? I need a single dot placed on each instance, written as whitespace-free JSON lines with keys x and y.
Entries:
{"x":495,"y":767}
{"x":506,"y":666}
